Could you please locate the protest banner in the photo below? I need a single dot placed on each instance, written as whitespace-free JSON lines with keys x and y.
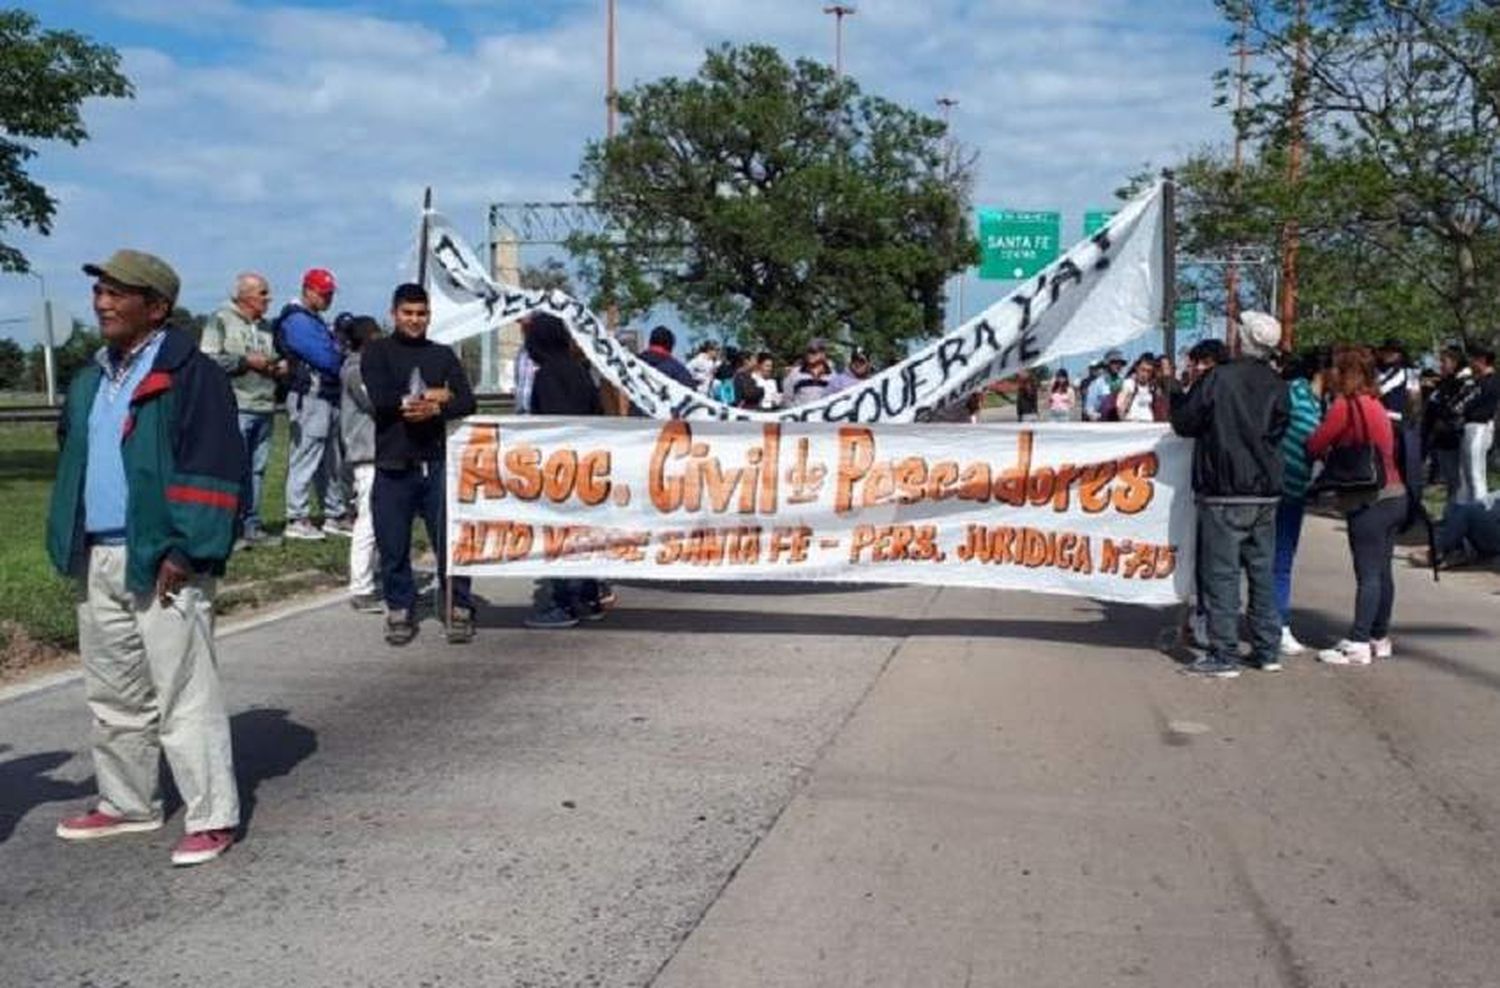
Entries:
{"x":1105,"y":291}
{"x":1096,"y":512}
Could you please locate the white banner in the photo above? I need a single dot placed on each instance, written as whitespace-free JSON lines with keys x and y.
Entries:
{"x":1103,"y":512}
{"x":1103,"y":292}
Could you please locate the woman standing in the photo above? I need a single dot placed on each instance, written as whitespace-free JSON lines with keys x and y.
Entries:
{"x":1061,"y":399}
{"x":1357,"y":420}
{"x":1137,"y":398}
{"x":1304,"y":376}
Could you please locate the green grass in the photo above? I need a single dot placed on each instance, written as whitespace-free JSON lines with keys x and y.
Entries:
{"x":32,"y":595}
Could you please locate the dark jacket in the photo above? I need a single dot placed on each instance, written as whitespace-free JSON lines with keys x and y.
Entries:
{"x":303,"y":339}
{"x":394,"y":366}
{"x":185,"y":467}
{"x":562,"y":385}
{"x":1238,"y":413}
{"x":663,"y":361}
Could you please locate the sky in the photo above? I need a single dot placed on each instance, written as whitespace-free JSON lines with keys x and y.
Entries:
{"x":280,"y":137}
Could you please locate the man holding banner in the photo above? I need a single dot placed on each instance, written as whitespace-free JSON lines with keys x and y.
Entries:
{"x":415,"y":387}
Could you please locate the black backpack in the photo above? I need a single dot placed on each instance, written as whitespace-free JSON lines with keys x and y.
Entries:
{"x":299,"y":378}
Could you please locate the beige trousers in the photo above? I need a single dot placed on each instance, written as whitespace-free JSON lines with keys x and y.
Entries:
{"x":152,"y":685}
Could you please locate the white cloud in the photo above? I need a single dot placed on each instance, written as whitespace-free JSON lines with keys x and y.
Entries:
{"x":308,"y":137}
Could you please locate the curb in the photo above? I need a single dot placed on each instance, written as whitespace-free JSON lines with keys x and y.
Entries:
{"x":66,"y":677}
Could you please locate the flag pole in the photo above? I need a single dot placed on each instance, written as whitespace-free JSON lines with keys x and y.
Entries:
{"x":442,"y":561}
{"x":422,"y":245}
{"x":1169,"y":264}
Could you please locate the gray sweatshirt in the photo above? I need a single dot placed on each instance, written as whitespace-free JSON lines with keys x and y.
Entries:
{"x":356,"y":415}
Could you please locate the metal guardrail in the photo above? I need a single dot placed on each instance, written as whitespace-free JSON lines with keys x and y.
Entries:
{"x":17,"y":414}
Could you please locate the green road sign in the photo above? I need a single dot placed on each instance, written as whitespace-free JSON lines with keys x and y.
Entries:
{"x":1016,"y":245}
{"x":1187,"y":316}
{"x":1097,"y":219}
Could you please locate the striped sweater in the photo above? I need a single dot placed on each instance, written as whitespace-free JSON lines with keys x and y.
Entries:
{"x":1307,"y":412}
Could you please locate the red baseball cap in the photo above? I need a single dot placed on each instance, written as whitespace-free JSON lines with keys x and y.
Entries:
{"x":320,"y":280}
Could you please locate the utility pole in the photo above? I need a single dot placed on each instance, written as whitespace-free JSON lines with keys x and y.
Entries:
{"x":1290,"y":235}
{"x":1232,"y":272}
{"x":609,"y":69}
{"x":613,"y":400}
{"x":49,"y":365}
{"x":946,"y":105}
{"x":839,"y":12}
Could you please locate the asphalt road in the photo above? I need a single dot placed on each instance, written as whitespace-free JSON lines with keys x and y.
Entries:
{"x":796,"y":786}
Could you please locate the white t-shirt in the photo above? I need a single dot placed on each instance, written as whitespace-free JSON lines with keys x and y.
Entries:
{"x":702,"y":368}
{"x":1134,"y":403}
{"x":770,"y":392}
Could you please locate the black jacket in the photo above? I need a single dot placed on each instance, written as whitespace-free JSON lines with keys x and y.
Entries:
{"x":1238,"y":413}
{"x":392,"y":368}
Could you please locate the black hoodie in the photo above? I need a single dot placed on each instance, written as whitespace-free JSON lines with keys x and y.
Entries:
{"x":562,"y":386}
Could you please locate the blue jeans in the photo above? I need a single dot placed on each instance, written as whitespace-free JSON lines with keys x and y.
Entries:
{"x":1475,"y":523}
{"x":1288,"y":533}
{"x":397,"y":498}
{"x":255,"y":429}
{"x":1372,"y":544}
{"x":1235,"y":538}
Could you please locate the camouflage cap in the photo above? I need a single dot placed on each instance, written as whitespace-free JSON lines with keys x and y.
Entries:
{"x":137,"y":269}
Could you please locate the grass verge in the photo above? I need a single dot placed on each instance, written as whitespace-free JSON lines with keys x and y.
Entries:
{"x":36,"y":605}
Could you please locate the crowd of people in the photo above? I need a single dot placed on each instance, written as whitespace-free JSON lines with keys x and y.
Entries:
{"x":164,"y":444}
{"x":1358,"y":425}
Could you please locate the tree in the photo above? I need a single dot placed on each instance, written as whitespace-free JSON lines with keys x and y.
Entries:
{"x":1403,"y":99}
{"x":68,"y":356}
{"x":776,"y":203}
{"x":45,"y":76}
{"x":12,"y":365}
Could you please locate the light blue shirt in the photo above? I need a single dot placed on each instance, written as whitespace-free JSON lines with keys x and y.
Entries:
{"x":104,"y":484}
{"x":1102,"y":388}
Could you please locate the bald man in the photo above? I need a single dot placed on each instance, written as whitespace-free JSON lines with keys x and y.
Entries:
{"x":237,"y":339}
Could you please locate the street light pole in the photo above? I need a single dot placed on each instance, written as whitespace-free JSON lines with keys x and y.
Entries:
{"x":839,"y":12}
{"x":48,"y":362}
{"x":946,"y":104}
{"x":609,"y":69}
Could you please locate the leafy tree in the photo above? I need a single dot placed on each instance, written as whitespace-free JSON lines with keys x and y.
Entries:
{"x":12,"y":365}
{"x":45,"y":76}
{"x":1401,"y":99}
{"x":776,"y":202}
{"x":69,"y":356}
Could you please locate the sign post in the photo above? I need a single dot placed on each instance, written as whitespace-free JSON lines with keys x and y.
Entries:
{"x":1017,"y":244}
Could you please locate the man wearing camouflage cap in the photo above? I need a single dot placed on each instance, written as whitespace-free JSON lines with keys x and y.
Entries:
{"x":150,"y":424}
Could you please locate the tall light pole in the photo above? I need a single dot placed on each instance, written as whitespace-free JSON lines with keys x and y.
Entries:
{"x":839,"y":12}
{"x":48,"y":362}
{"x":609,"y":68}
{"x":946,"y":105}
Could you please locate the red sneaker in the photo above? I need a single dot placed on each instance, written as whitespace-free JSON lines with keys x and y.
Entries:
{"x":205,"y":845}
{"x":96,"y":823}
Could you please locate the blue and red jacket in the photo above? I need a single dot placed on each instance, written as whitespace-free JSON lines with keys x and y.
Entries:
{"x":185,"y":467}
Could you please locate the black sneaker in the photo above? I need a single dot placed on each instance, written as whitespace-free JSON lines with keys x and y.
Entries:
{"x":1212,"y":667}
{"x":1264,"y":665}
{"x":589,"y":610}
{"x":461,"y":625}
{"x":399,"y":628}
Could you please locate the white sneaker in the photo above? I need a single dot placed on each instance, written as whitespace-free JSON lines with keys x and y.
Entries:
{"x":1382,"y":648}
{"x":1290,"y":645}
{"x":1347,"y":653}
{"x":304,"y":531}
